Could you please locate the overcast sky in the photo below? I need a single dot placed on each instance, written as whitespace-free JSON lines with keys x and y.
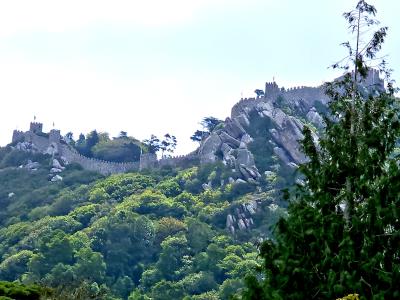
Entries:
{"x":161,"y":66}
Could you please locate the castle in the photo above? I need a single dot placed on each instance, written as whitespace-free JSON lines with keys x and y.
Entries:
{"x":372,"y":82}
{"x":53,"y":143}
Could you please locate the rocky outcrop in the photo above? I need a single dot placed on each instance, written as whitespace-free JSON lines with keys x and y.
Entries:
{"x":32,"y":165}
{"x":284,"y":111}
{"x":209,"y":148}
{"x":315,"y":118}
{"x":233,"y":150}
{"x":26,"y":147}
{"x":56,"y":178}
{"x":240,"y":218}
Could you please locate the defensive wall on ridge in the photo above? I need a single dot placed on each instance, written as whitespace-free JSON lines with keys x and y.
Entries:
{"x":273,"y":91}
{"x":53,"y":142}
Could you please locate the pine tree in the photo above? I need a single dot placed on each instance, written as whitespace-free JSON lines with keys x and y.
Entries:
{"x":342,"y":235}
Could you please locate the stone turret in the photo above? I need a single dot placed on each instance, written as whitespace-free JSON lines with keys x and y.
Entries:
{"x":36,"y":127}
{"x":18,"y":136}
{"x":271,"y":90}
{"x":54,"y":136}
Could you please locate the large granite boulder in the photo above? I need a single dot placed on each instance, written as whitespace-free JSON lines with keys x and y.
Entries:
{"x":209,"y":148}
{"x":315,"y":118}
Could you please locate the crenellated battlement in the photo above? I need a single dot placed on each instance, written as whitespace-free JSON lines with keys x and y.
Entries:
{"x":18,"y":135}
{"x":271,"y":89}
{"x":36,"y":127}
{"x":44,"y":141}
{"x":54,"y":136}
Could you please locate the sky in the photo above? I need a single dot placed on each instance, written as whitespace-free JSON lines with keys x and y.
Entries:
{"x":156,"y":66}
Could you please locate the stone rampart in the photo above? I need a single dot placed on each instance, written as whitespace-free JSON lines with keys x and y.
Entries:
{"x":18,"y":136}
{"x":97,"y":165}
{"x":40,"y":142}
{"x":179,"y":161}
{"x":52,"y":143}
{"x":293,"y":94}
{"x":307,"y":94}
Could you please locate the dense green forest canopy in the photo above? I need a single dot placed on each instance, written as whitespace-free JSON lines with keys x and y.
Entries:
{"x":156,"y":234}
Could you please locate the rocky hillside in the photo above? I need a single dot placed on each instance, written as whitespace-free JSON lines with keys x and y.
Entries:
{"x":265,"y":131}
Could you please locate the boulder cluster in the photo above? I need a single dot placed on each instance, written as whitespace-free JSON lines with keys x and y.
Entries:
{"x":230,"y":144}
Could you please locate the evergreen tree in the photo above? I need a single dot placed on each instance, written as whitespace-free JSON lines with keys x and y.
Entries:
{"x":168,"y":144}
{"x":342,"y":235}
{"x":153,"y":144}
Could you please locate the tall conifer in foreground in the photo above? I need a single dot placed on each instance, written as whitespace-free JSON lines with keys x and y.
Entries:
{"x":342,"y":235}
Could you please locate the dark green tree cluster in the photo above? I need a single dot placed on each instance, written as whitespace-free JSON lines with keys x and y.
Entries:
{"x":99,"y":145}
{"x":166,"y":145}
{"x":342,"y":235}
{"x":208,"y":124}
{"x":11,"y":291}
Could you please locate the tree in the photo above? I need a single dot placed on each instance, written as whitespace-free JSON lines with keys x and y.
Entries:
{"x":122,"y":134}
{"x":259,"y":93}
{"x":91,"y":140}
{"x":80,"y":144}
{"x":208,"y":124}
{"x":69,"y":138}
{"x":85,"y":145}
{"x":198,"y":135}
{"x":342,"y":233}
{"x":168,"y":144}
{"x":153,"y":144}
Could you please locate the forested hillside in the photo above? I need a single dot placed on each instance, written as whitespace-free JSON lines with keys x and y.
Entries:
{"x":157,"y":233}
{"x":295,"y":196}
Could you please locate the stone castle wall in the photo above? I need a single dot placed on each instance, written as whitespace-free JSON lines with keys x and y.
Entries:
{"x":40,"y":142}
{"x":97,"y":165}
{"x":272,"y":91}
{"x":179,"y":161}
{"x":46,"y":143}
{"x":308,"y":94}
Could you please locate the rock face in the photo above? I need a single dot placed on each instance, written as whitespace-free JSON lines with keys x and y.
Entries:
{"x":277,"y":118}
{"x":209,"y":148}
{"x":241,"y":217}
{"x":56,"y":178}
{"x":231,"y":142}
{"x":231,"y":148}
{"x":32,"y":165}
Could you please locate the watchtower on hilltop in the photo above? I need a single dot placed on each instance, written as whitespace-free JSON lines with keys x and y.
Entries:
{"x":54,"y":136}
{"x":271,"y":89}
{"x":36,"y":127}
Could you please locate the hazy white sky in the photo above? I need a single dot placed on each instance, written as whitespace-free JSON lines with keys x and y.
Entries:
{"x":161,"y":66}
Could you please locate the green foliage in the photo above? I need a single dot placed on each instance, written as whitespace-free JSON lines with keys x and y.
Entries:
{"x":209,"y":124}
{"x":126,"y":236}
{"x":117,"y":187}
{"x":15,"y":265}
{"x":99,"y":145}
{"x":169,"y":188}
{"x":18,"y":291}
{"x":341,"y":235}
{"x":14,"y":157}
{"x":122,"y":149}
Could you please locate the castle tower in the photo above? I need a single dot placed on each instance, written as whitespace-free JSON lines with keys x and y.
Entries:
{"x":271,"y":90}
{"x":54,"y":136}
{"x":18,"y":136}
{"x":36,"y":127}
